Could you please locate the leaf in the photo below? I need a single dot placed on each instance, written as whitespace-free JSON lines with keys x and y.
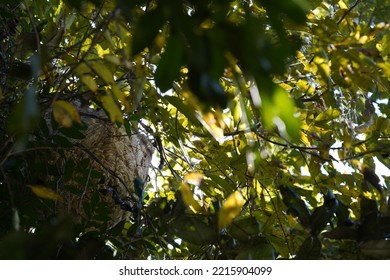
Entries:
{"x":244,"y":228}
{"x":310,"y":249}
{"x":188,"y":198}
{"x":112,"y":108}
{"x":329,"y":114}
{"x":65,"y":113}
{"x":376,"y":249}
{"x":295,"y":205}
{"x":103,"y":72}
{"x":213,"y":124}
{"x":278,"y":109}
{"x":46,"y":193}
{"x":25,"y":115}
{"x":194,"y":230}
{"x":343,"y":215}
{"x":341,"y":232}
{"x":194,"y":178}
{"x":168,"y":69}
{"x":72,"y":132}
{"x":183,"y":108}
{"x":146,"y":30}
{"x":90,"y":82}
{"x":62,"y":141}
{"x":320,"y":218}
{"x":262,"y":251}
{"x":230,"y":209}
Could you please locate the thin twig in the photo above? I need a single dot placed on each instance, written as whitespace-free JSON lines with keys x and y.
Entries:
{"x":348,"y":11}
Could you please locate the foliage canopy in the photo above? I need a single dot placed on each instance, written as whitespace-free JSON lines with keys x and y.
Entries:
{"x":269,"y":118}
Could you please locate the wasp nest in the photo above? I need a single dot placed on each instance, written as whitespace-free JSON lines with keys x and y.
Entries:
{"x":119,"y":158}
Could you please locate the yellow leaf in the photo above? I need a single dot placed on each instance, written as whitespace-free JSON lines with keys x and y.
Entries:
{"x":213,"y":124}
{"x":103,"y":72}
{"x":193,"y":178}
{"x":342,"y":5}
{"x":386,"y":69}
{"x":90,"y":82}
{"x":46,"y":193}
{"x":328,"y":115}
{"x":188,"y":198}
{"x":112,"y":108}
{"x":230,"y":209}
{"x":100,"y":51}
{"x":118,"y":94}
{"x":65,"y":113}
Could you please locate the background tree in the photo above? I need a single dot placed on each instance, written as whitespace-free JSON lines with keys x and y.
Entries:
{"x":269,"y":122}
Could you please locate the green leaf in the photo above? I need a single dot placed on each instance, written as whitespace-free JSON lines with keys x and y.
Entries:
{"x":194,"y":230}
{"x":62,"y":141}
{"x":171,"y":61}
{"x":146,"y":30}
{"x":328,"y":115}
{"x":295,"y":205}
{"x":277,"y":108}
{"x":72,"y":132}
{"x":262,"y":251}
{"x":320,"y":218}
{"x":90,"y":82}
{"x":183,"y":108}
{"x":310,"y":249}
{"x":244,"y":228}
{"x":376,"y":249}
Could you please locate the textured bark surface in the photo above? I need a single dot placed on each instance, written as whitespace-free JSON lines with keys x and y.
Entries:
{"x":118,"y":157}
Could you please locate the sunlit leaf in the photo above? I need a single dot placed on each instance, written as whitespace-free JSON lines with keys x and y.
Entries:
{"x":194,"y":178}
{"x":188,"y":198}
{"x":278,"y":109}
{"x":231,"y":207}
{"x":112,"y":108}
{"x":103,"y":72}
{"x":46,"y":193}
{"x":90,"y":82}
{"x":329,"y":114}
{"x":213,"y":124}
{"x":65,"y":113}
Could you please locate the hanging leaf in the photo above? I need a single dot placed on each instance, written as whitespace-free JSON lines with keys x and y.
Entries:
{"x":112,"y":108}
{"x":46,"y":193}
{"x":295,"y":205}
{"x":65,"y":113}
{"x":188,"y":198}
{"x":277,"y":108}
{"x":194,"y":178}
{"x":230,"y":209}
{"x":168,"y":69}
{"x":213,"y":124}
{"x":90,"y":82}
{"x":147,"y":29}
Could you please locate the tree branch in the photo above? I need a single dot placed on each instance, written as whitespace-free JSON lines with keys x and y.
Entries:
{"x":348,"y":11}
